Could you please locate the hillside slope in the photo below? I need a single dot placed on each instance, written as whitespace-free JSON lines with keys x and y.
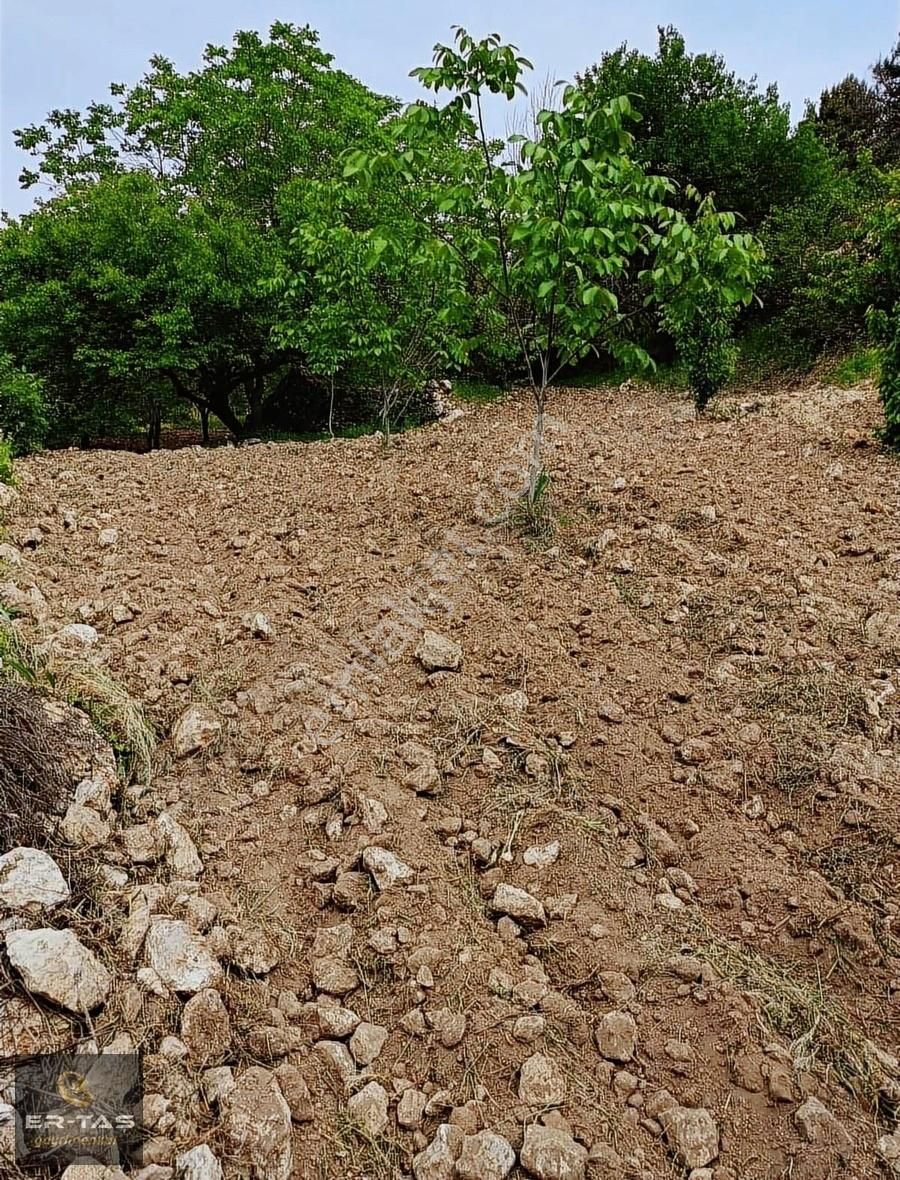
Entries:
{"x":674,"y":726}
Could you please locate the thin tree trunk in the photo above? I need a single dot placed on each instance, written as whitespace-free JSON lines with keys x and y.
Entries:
{"x":535,"y":463}
{"x":204,"y":425}
{"x":331,"y":409}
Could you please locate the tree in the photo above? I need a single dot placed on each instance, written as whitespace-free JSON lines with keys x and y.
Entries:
{"x":209,"y":157}
{"x":705,"y":127}
{"x":547,"y":225}
{"x":23,"y":409}
{"x":848,"y":117}
{"x":886,"y":73}
{"x":124,"y":299}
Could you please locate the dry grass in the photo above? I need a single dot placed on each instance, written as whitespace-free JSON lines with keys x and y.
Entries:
{"x":822,"y":1035}
{"x":117,"y":715}
{"x":33,"y":779}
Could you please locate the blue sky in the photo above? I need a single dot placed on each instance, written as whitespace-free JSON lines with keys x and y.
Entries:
{"x":63,"y":53}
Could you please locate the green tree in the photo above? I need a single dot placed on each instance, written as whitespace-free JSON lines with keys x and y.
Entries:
{"x":548,"y":225}
{"x":705,"y":127}
{"x":847,"y":117}
{"x":23,"y":409}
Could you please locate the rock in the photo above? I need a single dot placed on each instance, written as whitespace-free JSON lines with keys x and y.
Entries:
{"x":121,"y":613}
{"x":612,"y":712}
{"x":254,"y":951}
{"x":30,"y":880}
{"x":518,"y":904}
{"x":258,"y":625}
{"x":887,"y":1149}
{"x":196,"y":729}
{"x":485,"y":1156}
{"x":335,"y":1021}
{"x":55,"y":964}
{"x":206,"y":1028}
{"x":438,"y":653}
{"x":108,"y":538}
{"x":337,"y":1057}
{"x":179,"y":849}
{"x":386,"y":868}
{"x":271,"y":1041}
{"x":257,"y":1125}
{"x":351,"y":890}
{"x":541,"y":1082}
{"x":528,"y":1029}
{"x":615,"y":1036}
{"x":198,"y":1164}
{"x":332,"y":940}
{"x":411,"y":1108}
{"x":368,"y":1108}
{"x":691,"y":1133}
{"x":216,"y":1083}
{"x":144,"y":844}
{"x":10,"y":554}
{"x":75,"y":635}
{"x":659,"y":843}
{"x":27,"y":1029}
{"x":819,"y":1126}
{"x":449,"y":1025}
{"x":552,"y":1154}
{"x":541,"y":855}
{"x":84,"y":827}
{"x":296,"y":1092}
{"x":438,"y":1160}
{"x":180,"y":957}
{"x":334,"y":976}
{"x":367,"y":1042}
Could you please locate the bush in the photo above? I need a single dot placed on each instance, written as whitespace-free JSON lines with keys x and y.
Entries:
{"x":7,"y":474}
{"x":23,"y":413}
{"x":885,"y":330}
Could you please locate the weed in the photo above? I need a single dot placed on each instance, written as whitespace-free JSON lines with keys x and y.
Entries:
{"x":862,"y":365}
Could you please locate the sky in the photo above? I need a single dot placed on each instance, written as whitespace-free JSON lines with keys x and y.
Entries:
{"x":64,"y":53}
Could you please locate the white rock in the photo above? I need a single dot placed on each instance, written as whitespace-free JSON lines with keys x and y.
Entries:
{"x":335,"y":1021}
{"x":257,"y":1124}
{"x":337,"y":1056}
{"x":541,"y":855}
{"x":485,"y":1156}
{"x":56,"y":965}
{"x":518,"y":904}
{"x":180,"y":850}
{"x":692,"y":1134}
{"x":438,"y":653}
{"x":616,"y":1035}
{"x":258,"y":625}
{"x":30,"y":880}
{"x":80,"y":634}
{"x":216,"y":1083}
{"x":367,"y":1042}
{"x":386,"y":868}
{"x":84,"y":827}
{"x":368,"y":1108}
{"x":198,"y":1164}
{"x":180,"y":957}
{"x":10,"y":554}
{"x":411,"y":1108}
{"x":888,"y":1151}
{"x":541,"y":1082}
{"x":96,"y":792}
{"x":108,"y":538}
{"x":196,"y":729}
{"x":552,"y":1154}
{"x":438,"y":1160}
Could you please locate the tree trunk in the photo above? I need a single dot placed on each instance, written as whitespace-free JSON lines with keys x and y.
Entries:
{"x":331,"y":409}
{"x":535,"y":466}
{"x":154,"y":429}
{"x":204,"y":425}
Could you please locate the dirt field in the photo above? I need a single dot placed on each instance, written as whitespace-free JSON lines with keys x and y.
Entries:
{"x":686,"y":680}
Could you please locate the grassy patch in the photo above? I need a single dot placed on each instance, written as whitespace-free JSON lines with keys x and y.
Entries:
{"x":862,"y":365}
{"x":822,"y":1035}
{"x":7,"y":471}
{"x":477,"y":392}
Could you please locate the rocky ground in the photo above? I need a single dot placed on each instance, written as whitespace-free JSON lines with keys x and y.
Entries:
{"x":479,"y":846}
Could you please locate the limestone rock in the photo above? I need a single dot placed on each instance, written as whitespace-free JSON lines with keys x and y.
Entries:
{"x":411,"y":1108}
{"x":518,"y":904}
{"x":56,"y":964}
{"x":819,"y":1126}
{"x":337,"y":1056}
{"x":539,"y":856}
{"x":616,"y":1035}
{"x":257,"y":1125}
{"x":887,"y":1149}
{"x":206,"y":1028}
{"x":550,"y":1153}
{"x":179,"y":849}
{"x":485,"y":1156}
{"x":541,"y":1082}
{"x":181,"y":958}
{"x":438,"y":1160}
{"x":30,"y":880}
{"x":386,"y":868}
{"x":438,"y":653}
{"x":368,"y":1108}
{"x":198,"y":1164}
{"x":333,"y":975}
{"x":196,"y":729}
{"x":144,"y":844}
{"x":254,"y":951}
{"x":691,"y":1133}
{"x":367,"y":1042}
{"x":296,"y":1092}
{"x":84,"y":827}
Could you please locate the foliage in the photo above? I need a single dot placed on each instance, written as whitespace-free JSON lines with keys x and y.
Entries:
{"x":7,"y":470}
{"x":705,"y":127}
{"x":549,"y":225}
{"x":166,"y":226}
{"x":863,"y":364}
{"x":23,"y":412}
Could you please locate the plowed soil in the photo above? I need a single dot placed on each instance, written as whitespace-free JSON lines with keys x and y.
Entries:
{"x":683,"y":672}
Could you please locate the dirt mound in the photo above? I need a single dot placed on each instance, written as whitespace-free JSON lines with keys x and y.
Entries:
{"x":619,"y":860}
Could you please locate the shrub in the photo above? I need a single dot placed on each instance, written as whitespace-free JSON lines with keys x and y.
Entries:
{"x":23,"y":413}
{"x":7,"y":473}
{"x":885,"y":330}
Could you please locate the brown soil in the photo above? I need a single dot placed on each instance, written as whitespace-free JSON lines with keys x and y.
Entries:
{"x":712,"y":649}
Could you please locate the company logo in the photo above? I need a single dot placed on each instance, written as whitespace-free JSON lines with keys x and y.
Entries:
{"x":73,"y":1089}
